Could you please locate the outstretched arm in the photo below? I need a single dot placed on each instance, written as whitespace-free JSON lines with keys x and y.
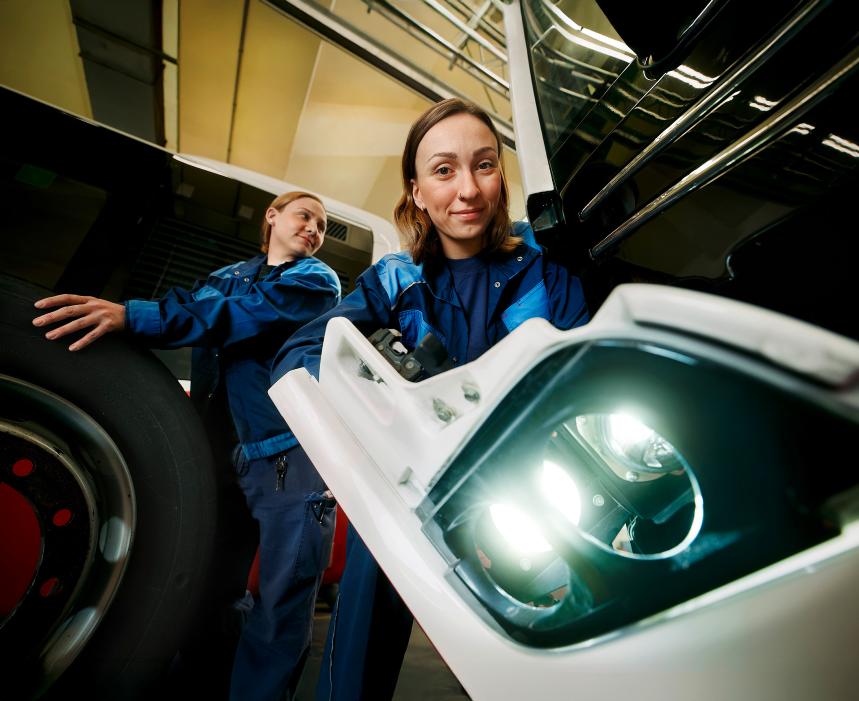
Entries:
{"x":80,"y":312}
{"x":366,"y":306}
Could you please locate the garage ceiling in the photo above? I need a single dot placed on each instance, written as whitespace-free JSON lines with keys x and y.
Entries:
{"x":265,"y":84}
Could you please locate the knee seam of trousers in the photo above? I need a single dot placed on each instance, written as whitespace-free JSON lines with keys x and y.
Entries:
{"x":333,"y":644}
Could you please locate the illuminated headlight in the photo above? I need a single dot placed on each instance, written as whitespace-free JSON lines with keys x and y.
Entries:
{"x":560,"y":490}
{"x":518,"y":529}
{"x":634,"y":444}
{"x":619,"y":478}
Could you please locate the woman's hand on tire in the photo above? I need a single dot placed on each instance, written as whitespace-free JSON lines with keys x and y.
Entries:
{"x":100,"y":314}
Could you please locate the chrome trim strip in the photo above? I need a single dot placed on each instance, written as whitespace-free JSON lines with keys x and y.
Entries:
{"x":710,"y":102}
{"x":531,"y":150}
{"x":496,"y":82}
{"x":456,"y":22}
{"x":687,"y":36}
{"x":479,"y":20}
{"x":766,"y":132}
{"x":432,"y":43}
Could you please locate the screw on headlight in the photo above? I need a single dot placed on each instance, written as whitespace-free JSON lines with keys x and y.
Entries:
{"x":442,"y":411}
{"x":471,"y":393}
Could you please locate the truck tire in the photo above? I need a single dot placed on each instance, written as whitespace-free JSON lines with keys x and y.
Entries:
{"x":108,"y":451}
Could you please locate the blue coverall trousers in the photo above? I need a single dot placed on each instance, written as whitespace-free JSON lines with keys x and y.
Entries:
{"x":368,"y":633}
{"x":296,"y":527}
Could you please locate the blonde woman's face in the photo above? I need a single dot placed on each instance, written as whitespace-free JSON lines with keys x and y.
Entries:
{"x":458,"y":182}
{"x":297,"y":230}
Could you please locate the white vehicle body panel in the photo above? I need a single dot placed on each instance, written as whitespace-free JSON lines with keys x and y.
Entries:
{"x":787,"y":631}
{"x":385,"y":239}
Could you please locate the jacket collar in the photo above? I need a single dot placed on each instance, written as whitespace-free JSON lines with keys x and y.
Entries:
{"x":520,"y":258}
{"x":502,"y":268}
{"x":253,"y":265}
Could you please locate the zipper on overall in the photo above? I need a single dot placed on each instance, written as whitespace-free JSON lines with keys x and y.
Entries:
{"x":280,"y":464}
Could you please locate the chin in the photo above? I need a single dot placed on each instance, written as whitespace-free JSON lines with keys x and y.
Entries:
{"x":469,"y":231}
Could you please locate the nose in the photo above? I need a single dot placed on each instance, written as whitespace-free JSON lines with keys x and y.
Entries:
{"x":468,"y":189}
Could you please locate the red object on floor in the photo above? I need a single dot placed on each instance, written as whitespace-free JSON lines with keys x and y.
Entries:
{"x":335,"y":565}
{"x":253,"y":575}
{"x":338,"y":551}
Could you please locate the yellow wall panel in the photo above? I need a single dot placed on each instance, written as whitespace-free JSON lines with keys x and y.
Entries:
{"x":276,"y":71}
{"x":385,"y":192}
{"x":209,"y":37}
{"x":39,"y":53}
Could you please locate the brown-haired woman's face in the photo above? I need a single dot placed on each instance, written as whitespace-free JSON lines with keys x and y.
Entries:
{"x":458,"y":182}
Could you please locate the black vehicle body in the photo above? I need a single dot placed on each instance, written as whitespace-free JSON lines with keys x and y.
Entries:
{"x":728,"y":164}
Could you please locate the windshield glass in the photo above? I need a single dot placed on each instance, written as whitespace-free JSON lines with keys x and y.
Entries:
{"x":575,"y":56}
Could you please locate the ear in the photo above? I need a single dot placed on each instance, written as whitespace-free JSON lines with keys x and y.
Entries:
{"x":270,"y":215}
{"x":416,"y":195}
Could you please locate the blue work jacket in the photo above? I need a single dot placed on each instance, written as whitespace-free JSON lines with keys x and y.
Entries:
{"x":396,"y":293}
{"x":241,"y":322}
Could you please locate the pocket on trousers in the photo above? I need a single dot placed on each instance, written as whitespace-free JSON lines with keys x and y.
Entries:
{"x":318,"y":537}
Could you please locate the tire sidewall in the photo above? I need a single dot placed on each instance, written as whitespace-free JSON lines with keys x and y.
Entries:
{"x":132,"y":396}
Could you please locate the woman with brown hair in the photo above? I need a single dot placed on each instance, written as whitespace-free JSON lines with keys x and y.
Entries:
{"x":470,"y":277}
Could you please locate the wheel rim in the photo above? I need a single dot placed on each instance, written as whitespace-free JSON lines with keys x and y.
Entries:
{"x":65,"y":465}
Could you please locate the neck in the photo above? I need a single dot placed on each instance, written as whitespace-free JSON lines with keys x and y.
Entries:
{"x":275,"y":258}
{"x":458,"y":250}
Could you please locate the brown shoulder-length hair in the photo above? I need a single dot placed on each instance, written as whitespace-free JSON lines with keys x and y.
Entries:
{"x":414,"y":223}
{"x":279,"y":203}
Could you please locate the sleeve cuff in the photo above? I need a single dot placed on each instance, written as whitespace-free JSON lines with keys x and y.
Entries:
{"x":143,"y":318}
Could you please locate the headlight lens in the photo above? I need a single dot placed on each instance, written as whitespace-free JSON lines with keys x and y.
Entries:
{"x":560,"y":490}
{"x":630,"y":448}
{"x":618,"y":479}
{"x":631,"y":438}
{"x":637,"y":496}
{"x":520,"y":531}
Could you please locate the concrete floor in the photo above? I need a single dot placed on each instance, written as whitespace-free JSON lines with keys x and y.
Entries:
{"x":424,"y":676}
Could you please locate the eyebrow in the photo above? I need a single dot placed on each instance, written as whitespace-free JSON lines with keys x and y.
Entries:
{"x":452,"y":156}
{"x":322,"y":220}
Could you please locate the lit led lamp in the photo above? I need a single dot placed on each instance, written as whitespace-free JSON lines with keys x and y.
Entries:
{"x":621,"y":477}
{"x":677,"y":451}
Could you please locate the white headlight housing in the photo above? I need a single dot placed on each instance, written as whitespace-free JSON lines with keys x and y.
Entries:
{"x":697,"y":469}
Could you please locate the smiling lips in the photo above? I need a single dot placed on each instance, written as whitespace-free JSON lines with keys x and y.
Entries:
{"x":468,"y":214}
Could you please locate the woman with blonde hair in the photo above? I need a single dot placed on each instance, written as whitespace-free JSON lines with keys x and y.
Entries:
{"x":236,"y":320}
{"x":469,"y":278}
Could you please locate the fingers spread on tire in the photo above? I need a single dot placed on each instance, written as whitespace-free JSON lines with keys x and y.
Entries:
{"x":75,"y":310}
{"x":86,"y":340}
{"x":60,"y":301}
{"x":76,"y":325}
